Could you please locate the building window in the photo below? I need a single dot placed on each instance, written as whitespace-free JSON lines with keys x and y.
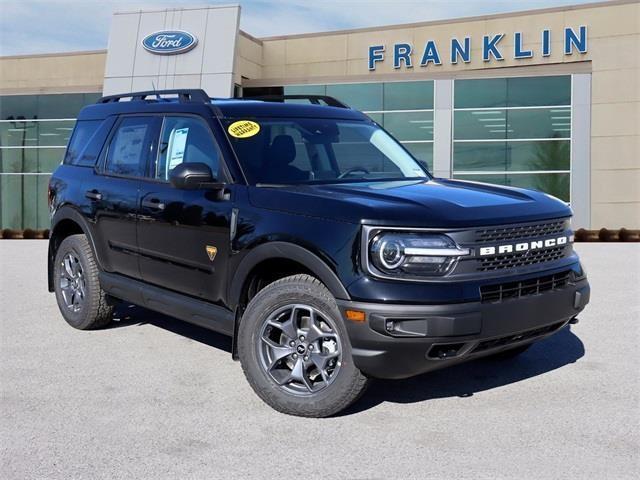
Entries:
{"x":514,"y":131}
{"x":34,"y":132}
{"x":405,"y":109}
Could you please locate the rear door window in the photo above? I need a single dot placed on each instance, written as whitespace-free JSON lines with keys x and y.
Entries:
{"x":82,"y":135}
{"x":131,"y":146}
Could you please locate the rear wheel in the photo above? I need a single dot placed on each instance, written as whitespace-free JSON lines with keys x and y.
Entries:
{"x":295,"y":351}
{"x":81,"y":300}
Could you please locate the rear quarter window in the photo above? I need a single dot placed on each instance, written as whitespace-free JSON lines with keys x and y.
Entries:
{"x":81,"y":138}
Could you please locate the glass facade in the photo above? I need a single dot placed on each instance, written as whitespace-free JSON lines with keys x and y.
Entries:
{"x":405,"y":109}
{"x":34,"y":131}
{"x":514,"y":131}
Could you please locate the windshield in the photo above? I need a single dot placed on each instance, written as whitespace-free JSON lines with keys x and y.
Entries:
{"x":318,"y":150}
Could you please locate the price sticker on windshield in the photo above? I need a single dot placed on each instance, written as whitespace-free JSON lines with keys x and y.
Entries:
{"x":243,"y":129}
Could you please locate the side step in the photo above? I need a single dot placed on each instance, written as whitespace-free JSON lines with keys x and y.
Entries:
{"x":185,"y":308}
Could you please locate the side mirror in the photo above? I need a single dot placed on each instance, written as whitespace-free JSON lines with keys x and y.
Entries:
{"x":190,"y":176}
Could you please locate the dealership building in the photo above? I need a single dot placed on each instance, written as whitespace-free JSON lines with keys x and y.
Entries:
{"x":546,"y":99}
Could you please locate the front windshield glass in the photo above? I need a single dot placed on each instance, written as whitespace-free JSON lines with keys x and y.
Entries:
{"x":287,"y":151}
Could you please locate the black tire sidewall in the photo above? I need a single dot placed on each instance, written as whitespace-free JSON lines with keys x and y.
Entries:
{"x":81,"y":319}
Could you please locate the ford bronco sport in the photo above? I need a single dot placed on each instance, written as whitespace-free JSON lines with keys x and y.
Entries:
{"x":302,"y":229}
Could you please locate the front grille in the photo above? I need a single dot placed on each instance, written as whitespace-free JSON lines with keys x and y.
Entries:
{"x":515,"y":232}
{"x":534,"y":286}
{"x":519,"y":337}
{"x":520,"y":259}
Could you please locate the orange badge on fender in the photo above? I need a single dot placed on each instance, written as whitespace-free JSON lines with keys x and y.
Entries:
{"x":211,"y":252}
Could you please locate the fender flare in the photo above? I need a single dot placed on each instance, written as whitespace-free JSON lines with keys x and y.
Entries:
{"x":67,"y":212}
{"x":289,"y":251}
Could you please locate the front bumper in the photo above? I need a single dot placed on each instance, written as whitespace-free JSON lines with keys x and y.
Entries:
{"x":399,"y":341}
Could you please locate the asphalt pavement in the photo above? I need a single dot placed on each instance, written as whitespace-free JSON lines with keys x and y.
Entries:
{"x":154,"y":398}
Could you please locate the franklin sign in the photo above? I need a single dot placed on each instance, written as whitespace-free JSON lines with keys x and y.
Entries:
{"x":169,"y":42}
{"x":459,"y":50}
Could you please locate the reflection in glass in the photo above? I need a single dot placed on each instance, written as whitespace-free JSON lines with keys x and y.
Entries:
{"x":409,"y":125}
{"x":491,"y":92}
{"x":374,"y":96}
{"x":556,"y":184}
{"x":30,"y":160}
{"x":513,"y":92}
{"x":423,"y":152}
{"x":511,"y":156}
{"x":66,"y":105}
{"x":360,"y":96}
{"x":513,"y":123}
{"x":492,"y":132}
{"x":305,"y":90}
{"x":480,"y":124}
{"x":23,"y":201}
{"x":34,"y":133}
{"x":408,"y":95}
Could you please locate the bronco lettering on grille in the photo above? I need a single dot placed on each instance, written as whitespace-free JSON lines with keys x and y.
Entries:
{"x":523,"y":246}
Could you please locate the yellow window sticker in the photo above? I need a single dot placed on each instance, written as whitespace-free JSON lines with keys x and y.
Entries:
{"x":243,"y":129}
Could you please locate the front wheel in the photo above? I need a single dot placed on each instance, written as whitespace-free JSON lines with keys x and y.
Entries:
{"x":295,"y":351}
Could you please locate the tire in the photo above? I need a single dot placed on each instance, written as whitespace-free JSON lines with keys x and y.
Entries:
{"x":81,"y":300}
{"x":511,"y":353}
{"x":317,"y":377}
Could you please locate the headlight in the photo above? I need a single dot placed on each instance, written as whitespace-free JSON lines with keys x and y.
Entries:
{"x":407,"y":255}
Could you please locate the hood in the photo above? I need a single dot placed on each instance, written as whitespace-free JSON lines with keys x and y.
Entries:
{"x":436,"y":203}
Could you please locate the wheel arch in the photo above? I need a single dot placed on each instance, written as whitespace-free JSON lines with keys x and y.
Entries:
{"x":66,"y":222}
{"x":289,"y":254}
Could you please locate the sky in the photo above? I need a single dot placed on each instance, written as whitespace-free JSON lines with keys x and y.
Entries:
{"x":47,"y":26}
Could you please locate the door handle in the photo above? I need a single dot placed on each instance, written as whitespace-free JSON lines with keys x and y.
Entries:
{"x":153,"y":203}
{"x":93,"y":195}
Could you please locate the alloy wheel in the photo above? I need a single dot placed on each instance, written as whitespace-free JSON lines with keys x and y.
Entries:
{"x":299,"y":349}
{"x":72,"y":282}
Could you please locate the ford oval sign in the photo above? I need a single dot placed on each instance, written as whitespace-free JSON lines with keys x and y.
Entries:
{"x":169,"y":42}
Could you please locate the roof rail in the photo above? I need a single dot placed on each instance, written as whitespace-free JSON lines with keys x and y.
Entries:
{"x":314,"y":99}
{"x":184,"y":96}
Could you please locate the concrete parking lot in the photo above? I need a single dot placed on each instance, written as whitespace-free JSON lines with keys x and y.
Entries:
{"x":154,"y":398}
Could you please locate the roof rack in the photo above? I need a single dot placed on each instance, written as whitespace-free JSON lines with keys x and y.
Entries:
{"x":184,"y":96}
{"x":314,"y":99}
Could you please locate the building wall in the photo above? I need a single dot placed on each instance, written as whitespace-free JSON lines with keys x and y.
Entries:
{"x":248,"y":58}
{"x":56,"y":73}
{"x":210,"y":65}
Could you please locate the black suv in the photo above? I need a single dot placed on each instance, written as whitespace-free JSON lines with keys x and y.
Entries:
{"x":306,"y":232}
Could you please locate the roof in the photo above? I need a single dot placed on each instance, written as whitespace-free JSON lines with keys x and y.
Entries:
{"x":195,"y":101}
{"x":256,"y":108}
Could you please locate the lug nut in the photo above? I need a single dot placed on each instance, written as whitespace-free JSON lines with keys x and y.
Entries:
{"x":302,"y":338}
{"x":295,"y":355}
{"x":292,"y":343}
{"x":306,"y":357}
{"x":311,"y":347}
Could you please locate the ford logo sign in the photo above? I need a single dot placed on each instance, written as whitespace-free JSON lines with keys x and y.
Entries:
{"x":169,"y":42}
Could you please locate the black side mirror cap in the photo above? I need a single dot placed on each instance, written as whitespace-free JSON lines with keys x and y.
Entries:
{"x":191,"y":176}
